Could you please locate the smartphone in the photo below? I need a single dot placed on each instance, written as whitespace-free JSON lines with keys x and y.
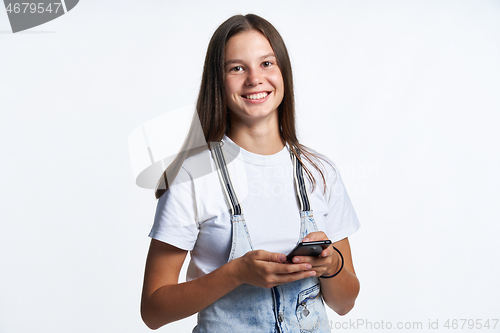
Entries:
{"x":309,"y":249}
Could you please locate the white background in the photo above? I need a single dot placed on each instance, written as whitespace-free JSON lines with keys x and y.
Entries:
{"x":402,"y":95}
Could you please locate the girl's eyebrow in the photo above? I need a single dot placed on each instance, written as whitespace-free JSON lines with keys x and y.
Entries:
{"x":233,"y":61}
{"x":268,"y":55}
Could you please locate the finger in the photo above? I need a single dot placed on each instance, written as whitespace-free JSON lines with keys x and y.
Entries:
{"x":327,"y":252}
{"x":315,"y":236}
{"x":304,"y":259}
{"x":314,"y":261}
{"x":288,"y":277}
{"x":270,"y":256}
{"x":291,"y":268}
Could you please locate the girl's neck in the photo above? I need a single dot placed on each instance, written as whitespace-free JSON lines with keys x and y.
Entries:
{"x":263,"y":138}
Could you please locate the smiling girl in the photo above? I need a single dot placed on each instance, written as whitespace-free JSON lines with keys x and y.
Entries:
{"x":239,"y":279}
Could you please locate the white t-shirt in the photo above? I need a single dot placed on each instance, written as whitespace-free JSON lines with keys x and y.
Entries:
{"x":193,"y":214}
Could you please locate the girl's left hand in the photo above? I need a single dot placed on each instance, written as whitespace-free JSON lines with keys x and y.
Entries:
{"x":327,"y":263}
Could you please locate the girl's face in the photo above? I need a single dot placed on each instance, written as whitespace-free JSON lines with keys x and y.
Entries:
{"x":254,"y":85}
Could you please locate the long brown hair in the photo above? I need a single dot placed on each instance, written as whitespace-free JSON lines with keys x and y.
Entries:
{"x":211,"y":107}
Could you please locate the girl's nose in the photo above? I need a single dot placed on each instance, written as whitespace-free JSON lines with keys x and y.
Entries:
{"x":254,"y":77}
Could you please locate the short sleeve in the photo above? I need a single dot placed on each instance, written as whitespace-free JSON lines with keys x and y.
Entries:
{"x":341,"y":220}
{"x":175,"y":217}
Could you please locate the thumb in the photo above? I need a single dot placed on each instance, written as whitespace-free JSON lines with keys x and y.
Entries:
{"x":313,"y":236}
{"x":263,"y":255}
{"x":276,"y":257}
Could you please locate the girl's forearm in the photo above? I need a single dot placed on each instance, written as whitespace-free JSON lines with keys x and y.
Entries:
{"x":340,"y":292}
{"x":177,"y":301}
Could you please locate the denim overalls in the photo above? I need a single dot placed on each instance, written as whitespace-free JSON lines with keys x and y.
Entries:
{"x":291,"y":307}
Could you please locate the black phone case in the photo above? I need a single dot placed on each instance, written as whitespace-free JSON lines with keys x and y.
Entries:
{"x":309,"y":249}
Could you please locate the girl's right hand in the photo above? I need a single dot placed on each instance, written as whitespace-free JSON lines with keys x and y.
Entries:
{"x":267,"y":269}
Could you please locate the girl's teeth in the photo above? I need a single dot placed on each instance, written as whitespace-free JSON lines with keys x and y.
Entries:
{"x":257,"y":96}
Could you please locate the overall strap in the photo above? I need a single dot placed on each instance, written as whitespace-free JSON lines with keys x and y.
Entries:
{"x":300,"y":185}
{"x":227,"y":185}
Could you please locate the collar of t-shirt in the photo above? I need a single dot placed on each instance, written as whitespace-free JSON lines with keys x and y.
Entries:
{"x":252,"y":158}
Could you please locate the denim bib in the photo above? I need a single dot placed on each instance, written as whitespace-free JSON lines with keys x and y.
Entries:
{"x":292,"y":307}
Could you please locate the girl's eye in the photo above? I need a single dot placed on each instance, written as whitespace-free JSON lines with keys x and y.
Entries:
{"x":267,"y":63}
{"x":237,"y":69}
